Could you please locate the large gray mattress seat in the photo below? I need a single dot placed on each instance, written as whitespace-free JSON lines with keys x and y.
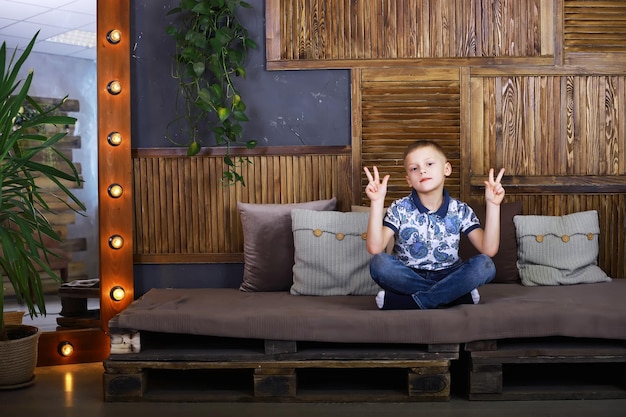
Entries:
{"x":506,"y":311}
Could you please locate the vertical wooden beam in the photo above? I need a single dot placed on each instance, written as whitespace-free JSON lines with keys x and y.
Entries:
{"x":357,"y":125}
{"x":272,"y":30}
{"x":114,"y":161}
{"x":548,"y":26}
{"x":559,"y":31}
{"x":114,"y":167}
{"x":466,"y":132}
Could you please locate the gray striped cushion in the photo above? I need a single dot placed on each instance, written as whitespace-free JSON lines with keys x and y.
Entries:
{"x":330,"y":257}
{"x":555,"y":250}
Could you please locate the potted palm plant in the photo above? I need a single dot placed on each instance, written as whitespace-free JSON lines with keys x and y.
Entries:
{"x":24,"y":204}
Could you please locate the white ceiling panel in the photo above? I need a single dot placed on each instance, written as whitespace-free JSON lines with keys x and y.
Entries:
{"x":63,"y":18}
{"x":20,"y":11}
{"x":20,"y":20}
{"x":26,"y":31}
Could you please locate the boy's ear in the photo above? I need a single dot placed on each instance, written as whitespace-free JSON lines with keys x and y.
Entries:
{"x":448,"y":169}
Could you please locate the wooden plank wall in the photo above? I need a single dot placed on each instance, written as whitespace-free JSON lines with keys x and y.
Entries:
{"x":550,"y":125}
{"x":362,"y":30}
{"x":184,"y":214}
{"x":561,"y":139}
{"x":401,"y":106}
{"x":535,"y":86}
{"x":594,"y":26}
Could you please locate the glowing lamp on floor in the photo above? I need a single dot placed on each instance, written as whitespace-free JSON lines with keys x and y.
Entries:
{"x":66,"y":349}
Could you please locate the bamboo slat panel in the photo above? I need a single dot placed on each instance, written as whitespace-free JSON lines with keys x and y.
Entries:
{"x":396,"y":29}
{"x":183,"y":213}
{"x":594,"y":26}
{"x":399,"y":107}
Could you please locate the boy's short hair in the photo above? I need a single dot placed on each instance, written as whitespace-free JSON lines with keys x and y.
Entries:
{"x":424,"y":144}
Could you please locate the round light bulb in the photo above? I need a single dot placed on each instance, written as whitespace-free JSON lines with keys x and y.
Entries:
{"x":114,"y":36}
{"x":114,"y":87}
{"x":114,"y":138}
{"x":66,"y":349}
{"x":115,"y":190}
{"x":116,"y":241}
{"x":117,"y":293}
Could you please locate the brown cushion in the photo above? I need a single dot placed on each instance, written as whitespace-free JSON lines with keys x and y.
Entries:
{"x":506,"y":258}
{"x":268,"y":243}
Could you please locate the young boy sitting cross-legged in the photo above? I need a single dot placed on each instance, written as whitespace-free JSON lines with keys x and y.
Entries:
{"x":424,"y":270}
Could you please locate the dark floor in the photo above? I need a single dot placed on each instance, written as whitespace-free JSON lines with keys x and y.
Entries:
{"x":76,"y":390}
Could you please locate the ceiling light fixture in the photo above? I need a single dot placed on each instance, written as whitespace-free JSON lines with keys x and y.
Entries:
{"x":75,"y":37}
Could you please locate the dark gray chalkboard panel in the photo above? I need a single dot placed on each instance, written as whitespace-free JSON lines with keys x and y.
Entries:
{"x":284,"y":107}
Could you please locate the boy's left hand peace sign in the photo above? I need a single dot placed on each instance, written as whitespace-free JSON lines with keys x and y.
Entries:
{"x":494,"y":192}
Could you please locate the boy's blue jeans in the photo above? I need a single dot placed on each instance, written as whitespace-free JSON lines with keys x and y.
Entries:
{"x":431,"y":289}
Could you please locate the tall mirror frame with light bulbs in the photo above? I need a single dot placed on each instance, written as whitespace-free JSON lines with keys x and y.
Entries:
{"x":114,"y":192}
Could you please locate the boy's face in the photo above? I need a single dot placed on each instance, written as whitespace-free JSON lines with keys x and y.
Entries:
{"x":426,"y":169}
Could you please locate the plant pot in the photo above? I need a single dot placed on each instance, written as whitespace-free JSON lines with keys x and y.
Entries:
{"x":13,"y":317}
{"x":18,"y":356}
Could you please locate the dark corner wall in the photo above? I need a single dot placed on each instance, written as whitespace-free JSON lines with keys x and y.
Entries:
{"x":286,"y":108}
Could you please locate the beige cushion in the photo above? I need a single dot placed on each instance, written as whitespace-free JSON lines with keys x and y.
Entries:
{"x":555,"y":250}
{"x":363,"y":209}
{"x":330,"y":254}
{"x":268,"y":243}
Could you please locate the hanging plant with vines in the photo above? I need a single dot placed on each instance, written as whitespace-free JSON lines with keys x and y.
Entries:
{"x":211,"y":49}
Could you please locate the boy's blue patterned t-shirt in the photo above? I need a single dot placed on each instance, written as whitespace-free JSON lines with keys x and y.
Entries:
{"x":429,"y":240}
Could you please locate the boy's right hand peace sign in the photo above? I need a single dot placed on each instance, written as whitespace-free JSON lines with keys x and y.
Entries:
{"x":494,"y":192}
{"x":375,"y":188}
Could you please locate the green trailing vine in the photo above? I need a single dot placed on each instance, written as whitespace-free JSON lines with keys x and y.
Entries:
{"x":211,"y":49}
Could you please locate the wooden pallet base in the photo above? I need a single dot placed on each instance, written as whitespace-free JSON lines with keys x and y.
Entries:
{"x":276,"y":371}
{"x":547,"y":369}
{"x":305,"y":381}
